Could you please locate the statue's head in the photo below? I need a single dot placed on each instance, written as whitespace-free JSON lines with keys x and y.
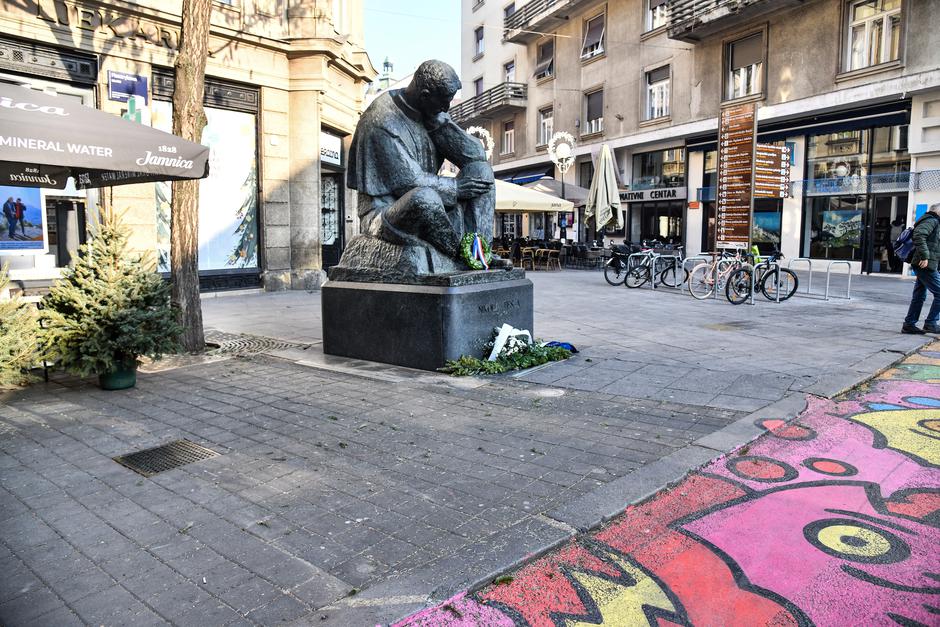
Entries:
{"x":432,"y":88}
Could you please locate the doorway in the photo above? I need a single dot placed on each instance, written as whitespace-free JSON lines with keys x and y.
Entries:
{"x":332,"y":218}
{"x":886,"y":220}
{"x":65,"y":226}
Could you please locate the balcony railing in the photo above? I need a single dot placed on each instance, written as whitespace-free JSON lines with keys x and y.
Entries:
{"x":491,"y":101}
{"x":536,"y":17}
{"x":691,"y":20}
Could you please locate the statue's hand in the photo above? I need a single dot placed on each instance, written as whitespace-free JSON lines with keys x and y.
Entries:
{"x":436,"y":121}
{"x":471,"y":187}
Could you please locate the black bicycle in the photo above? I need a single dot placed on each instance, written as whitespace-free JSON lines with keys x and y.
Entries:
{"x":665,"y":267}
{"x":768,"y":274}
{"x":615,"y":270}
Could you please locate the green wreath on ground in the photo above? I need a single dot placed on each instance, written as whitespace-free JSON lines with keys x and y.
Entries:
{"x":466,"y":251}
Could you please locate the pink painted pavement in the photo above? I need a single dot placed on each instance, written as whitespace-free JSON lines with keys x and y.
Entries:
{"x":830,"y":519}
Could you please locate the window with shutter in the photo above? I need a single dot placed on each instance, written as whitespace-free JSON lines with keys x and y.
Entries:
{"x":657,"y":14}
{"x":545,"y":60}
{"x":657,"y":93}
{"x":593,"y":38}
{"x":594,"y":113}
{"x":745,"y":60}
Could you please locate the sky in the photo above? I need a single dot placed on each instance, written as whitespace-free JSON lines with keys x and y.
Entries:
{"x":411,"y":31}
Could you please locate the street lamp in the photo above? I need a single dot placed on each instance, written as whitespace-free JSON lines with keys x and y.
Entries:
{"x":484,"y":136}
{"x":560,"y":151}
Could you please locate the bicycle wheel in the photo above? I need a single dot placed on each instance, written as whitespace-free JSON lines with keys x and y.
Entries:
{"x":738,"y":288}
{"x":615,"y":271}
{"x":702,"y":281}
{"x":674,"y":276}
{"x":637,"y":276}
{"x":783,"y":280}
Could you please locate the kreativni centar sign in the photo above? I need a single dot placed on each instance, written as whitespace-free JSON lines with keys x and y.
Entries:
{"x":662,"y":193}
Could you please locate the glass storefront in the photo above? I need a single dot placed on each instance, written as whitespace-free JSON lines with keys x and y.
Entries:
{"x":660,"y":220}
{"x":856,"y":195}
{"x":228,"y":197}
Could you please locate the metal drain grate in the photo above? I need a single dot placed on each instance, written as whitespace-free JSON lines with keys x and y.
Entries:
{"x":167,"y":457}
{"x":231,"y":344}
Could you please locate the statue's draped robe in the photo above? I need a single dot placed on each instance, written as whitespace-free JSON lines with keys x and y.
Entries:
{"x":391,"y":154}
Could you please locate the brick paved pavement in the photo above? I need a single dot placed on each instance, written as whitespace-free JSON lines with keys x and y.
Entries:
{"x":339,"y":475}
{"x":326,"y":482}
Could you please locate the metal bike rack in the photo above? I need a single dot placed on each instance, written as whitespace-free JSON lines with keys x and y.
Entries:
{"x":654,"y":257}
{"x":848,"y":287}
{"x":809,"y":263}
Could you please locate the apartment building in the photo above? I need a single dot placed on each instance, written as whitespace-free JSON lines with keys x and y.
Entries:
{"x":851,"y":86}
{"x":285,"y":85}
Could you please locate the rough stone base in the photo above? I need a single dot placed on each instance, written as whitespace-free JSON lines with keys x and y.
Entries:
{"x":420,"y":326}
{"x":307,"y":279}
{"x":275,"y":280}
{"x":394,"y":261}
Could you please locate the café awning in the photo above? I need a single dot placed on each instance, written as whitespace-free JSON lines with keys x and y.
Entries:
{"x":547,"y":185}
{"x":514,"y":198}
{"x":46,"y":139}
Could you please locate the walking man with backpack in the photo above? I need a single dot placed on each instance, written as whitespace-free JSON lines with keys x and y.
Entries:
{"x":924,"y":256}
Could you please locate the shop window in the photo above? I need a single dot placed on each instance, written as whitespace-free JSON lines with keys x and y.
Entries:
{"x":546,"y":125}
{"x":657,"y":93}
{"x":593,"y":112}
{"x":662,"y":168}
{"x":593,"y":44}
{"x":661,"y":221}
{"x":657,"y":14}
{"x":509,"y":72}
{"x":228,"y":197}
{"x":508,"y":143}
{"x":545,"y":60}
{"x":874,"y":33}
{"x":744,"y":59}
{"x":478,"y":42}
{"x":835,"y":226}
{"x":765,"y":231}
{"x":836,"y":162}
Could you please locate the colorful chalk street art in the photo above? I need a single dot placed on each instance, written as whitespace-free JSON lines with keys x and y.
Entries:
{"x":831,"y":519}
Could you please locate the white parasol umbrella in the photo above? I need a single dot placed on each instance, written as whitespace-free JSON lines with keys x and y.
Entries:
{"x":603,"y":200}
{"x":515,"y":198}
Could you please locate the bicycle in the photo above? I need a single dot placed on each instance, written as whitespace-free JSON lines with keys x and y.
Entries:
{"x":615,"y":270}
{"x":704,"y":277}
{"x":771,"y":278}
{"x":657,"y":267}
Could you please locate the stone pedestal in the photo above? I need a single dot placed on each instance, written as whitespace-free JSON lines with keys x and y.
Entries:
{"x":426,"y":322}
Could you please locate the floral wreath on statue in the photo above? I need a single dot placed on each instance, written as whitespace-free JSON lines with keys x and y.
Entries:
{"x":475,"y":251}
{"x":483,"y":135}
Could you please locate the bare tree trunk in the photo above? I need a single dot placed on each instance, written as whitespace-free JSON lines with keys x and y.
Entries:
{"x":189,"y":119}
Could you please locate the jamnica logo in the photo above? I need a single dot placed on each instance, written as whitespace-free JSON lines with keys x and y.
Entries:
{"x":9,"y":103}
{"x":172,"y":162}
{"x":33,"y":178}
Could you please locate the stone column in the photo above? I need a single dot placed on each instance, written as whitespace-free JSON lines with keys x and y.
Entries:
{"x":275,"y":155}
{"x":306,"y":265}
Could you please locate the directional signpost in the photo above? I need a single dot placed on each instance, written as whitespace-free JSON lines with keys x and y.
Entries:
{"x":736,"y":135}
{"x":772,"y":171}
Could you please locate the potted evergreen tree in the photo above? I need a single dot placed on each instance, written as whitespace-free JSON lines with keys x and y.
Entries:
{"x":107,"y":311}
